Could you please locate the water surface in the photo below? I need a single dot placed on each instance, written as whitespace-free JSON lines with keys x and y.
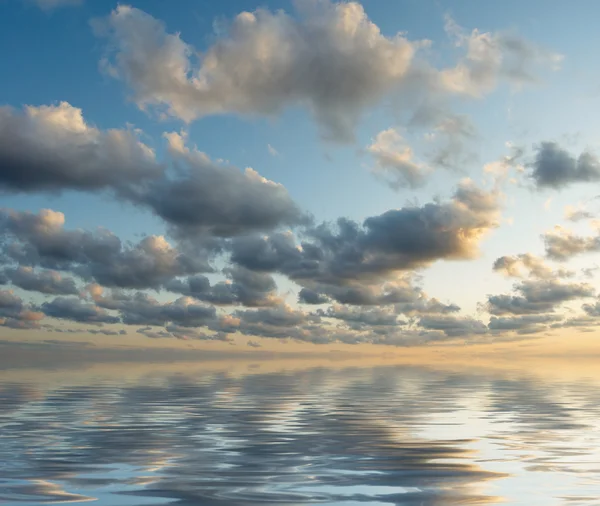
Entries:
{"x":386,"y":435}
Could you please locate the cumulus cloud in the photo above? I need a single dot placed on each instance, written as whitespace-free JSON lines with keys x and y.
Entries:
{"x":15,"y":313}
{"x":41,"y":240}
{"x":331,"y":59}
{"x":453,"y":326}
{"x":554,"y":167}
{"x":562,"y":244}
{"x":526,"y":264}
{"x":333,"y":259}
{"x":207,"y":198}
{"x":141,"y":309}
{"x":537,"y":296}
{"x":524,"y":324}
{"x":52,"y":148}
{"x":395,"y":161}
{"x":50,"y":282}
{"x":74,"y":309}
{"x":245,"y":287}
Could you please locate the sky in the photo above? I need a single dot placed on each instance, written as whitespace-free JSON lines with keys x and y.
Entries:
{"x":282,"y":175}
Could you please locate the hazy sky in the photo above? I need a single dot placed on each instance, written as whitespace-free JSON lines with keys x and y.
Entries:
{"x":386,"y":173}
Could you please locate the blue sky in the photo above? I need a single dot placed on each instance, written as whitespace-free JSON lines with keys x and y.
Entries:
{"x":532,"y":90}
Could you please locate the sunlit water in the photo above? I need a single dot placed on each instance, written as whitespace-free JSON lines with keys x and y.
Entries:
{"x":346,"y":436}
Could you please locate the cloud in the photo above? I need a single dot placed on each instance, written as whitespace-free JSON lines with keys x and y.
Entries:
{"x":206,"y":198}
{"x":367,"y":254}
{"x":308,"y":296}
{"x":331,"y":59}
{"x":52,"y":148}
{"x":514,"y":267}
{"x":14,"y":313}
{"x":41,"y":240}
{"x":245,"y":287}
{"x":524,"y":324}
{"x":71,"y":308}
{"x":272,"y":151}
{"x":554,"y":167}
{"x":49,"y":282}
{"x":578,"y":213}
{"x":453,"y":326}
{"x":537,"y":296}
{"x":491,"y":57}
{"x":106,"y":332}
{"x":254,"y":344}
{"x":562,"y":244}
{"x":141,"y":309}
{"x":395,"y":161}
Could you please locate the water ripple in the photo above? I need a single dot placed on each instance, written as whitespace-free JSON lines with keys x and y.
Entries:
{"x":385,"y":435}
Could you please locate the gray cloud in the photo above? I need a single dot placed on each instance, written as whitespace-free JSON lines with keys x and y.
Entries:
{"x":554,"y":167}
{"x":71,"y":308}
{"x":562,"y":244}
{"x":15,"y":313}
{"x":50,"y":282}
{"x":523,"y":324}
{"x":308,"y":296}
{"x":329,"y":58}
{"x":141,"y":309}
{"x":41,"y":239}
{"x":332,"y":59}
{"x":350,"y":258}
{"x":453,"y":326}
{"x":245,"y":287}
{"x":537,"y":296}
{"x":206,"y":198}
{"x":52,"y":148}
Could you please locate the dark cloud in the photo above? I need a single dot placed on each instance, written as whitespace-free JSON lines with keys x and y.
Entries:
{"x":15,"y":313}
{"x":41,"y":239}
{"x":361,"y":318}
{"x":453,"y":326}
{"x":206,"y":198}
{"x":141,"y":309}
{"x":245,"y":287}
{"x":524,"y":324}
{"x":52,"y":148}
{"x":107,"y":332}
{"x":537,"y":296}
{"x":554,"y":167}
{"x":332,"y":261}
{"x":307,"y":296}
{"x":254,"y":344}
{"x":50,"y":282}
{"x":71,"y":308}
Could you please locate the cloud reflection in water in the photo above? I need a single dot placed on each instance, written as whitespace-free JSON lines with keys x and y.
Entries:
{"x":383,"y":435}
